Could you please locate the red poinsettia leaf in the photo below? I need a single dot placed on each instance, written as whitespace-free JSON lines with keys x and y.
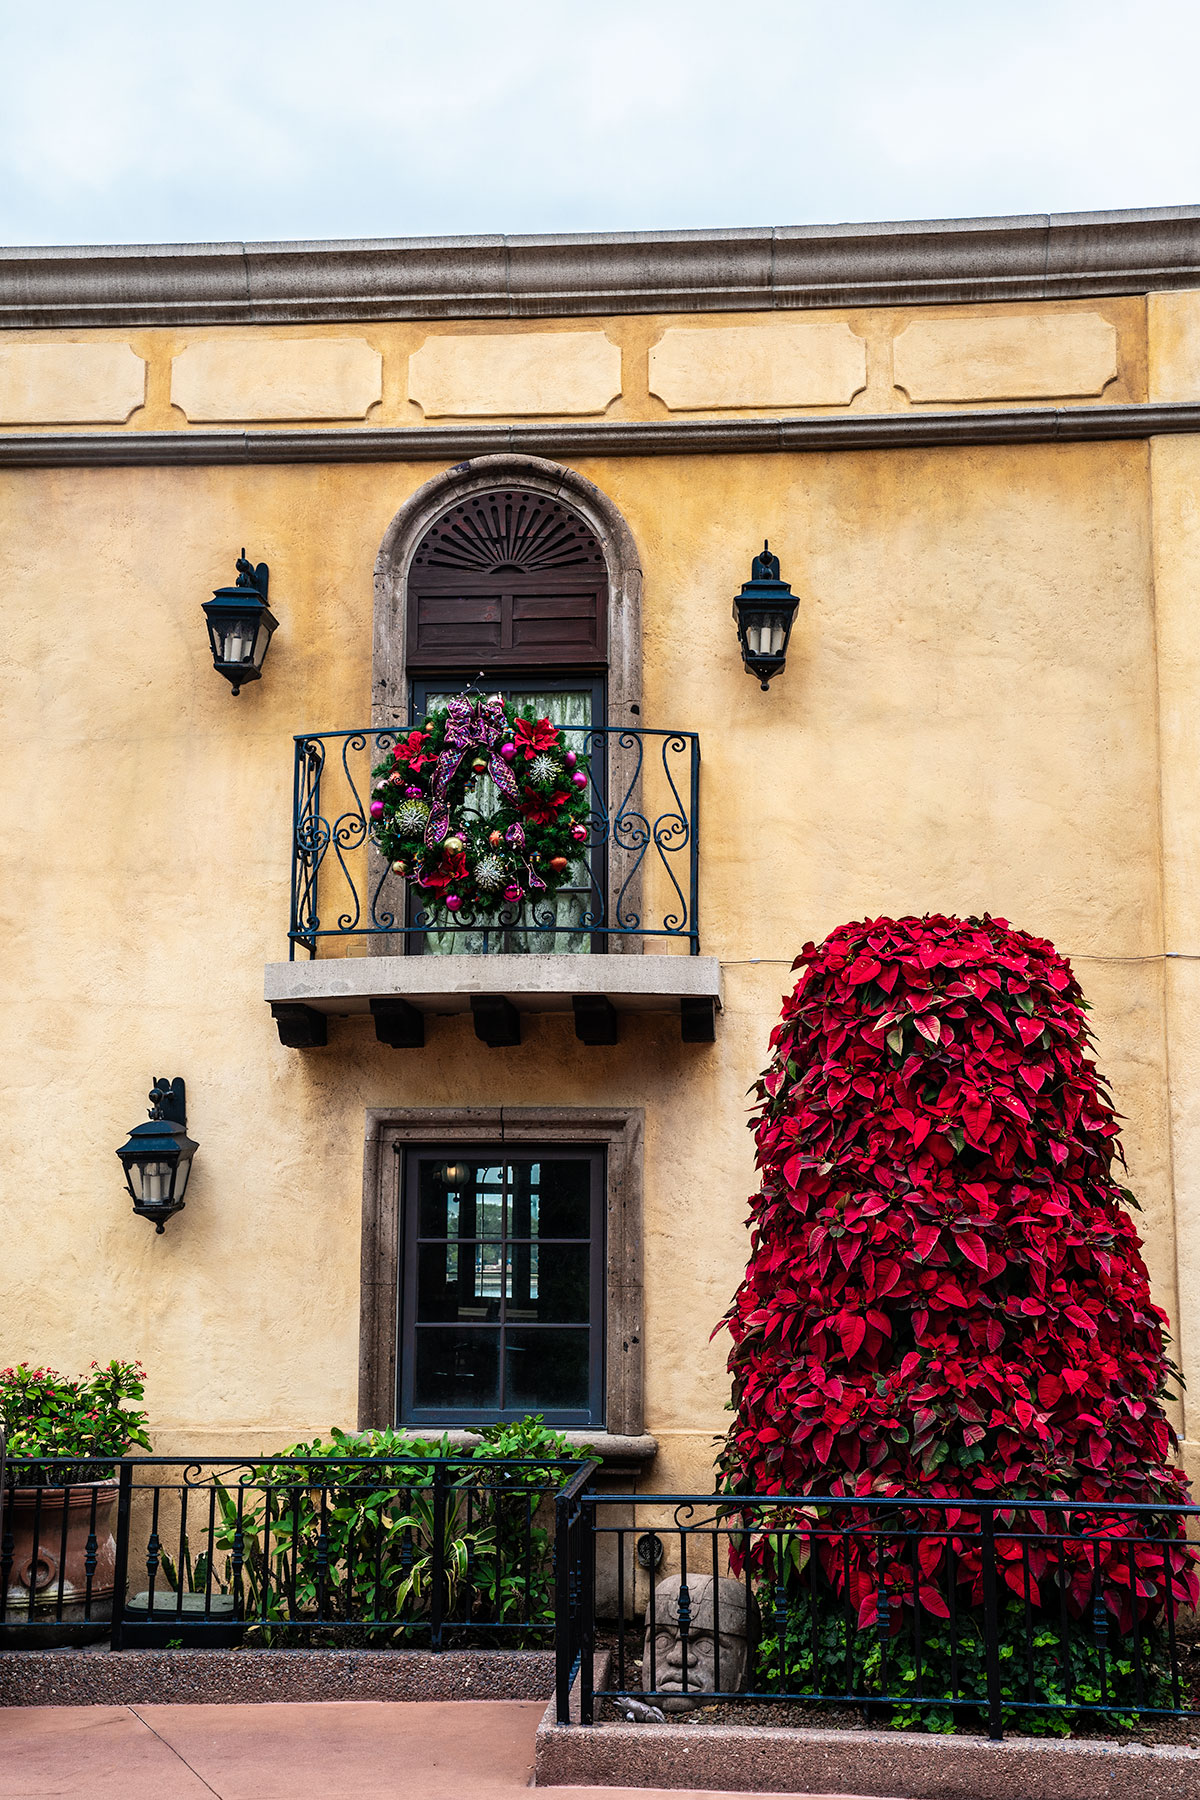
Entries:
{"x":973,"y":1248}
{"x":854,"y":1330}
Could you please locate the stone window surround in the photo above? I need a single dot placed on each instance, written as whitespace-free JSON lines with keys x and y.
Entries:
{"x":619,"y":1130}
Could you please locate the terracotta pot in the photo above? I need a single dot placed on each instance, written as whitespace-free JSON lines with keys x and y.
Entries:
{"x":69,"y":1536}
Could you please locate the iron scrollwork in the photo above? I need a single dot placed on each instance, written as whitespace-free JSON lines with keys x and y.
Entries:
{"x":637,"y":872}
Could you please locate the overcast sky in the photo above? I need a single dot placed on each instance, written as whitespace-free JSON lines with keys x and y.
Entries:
{"x":132,"y":121}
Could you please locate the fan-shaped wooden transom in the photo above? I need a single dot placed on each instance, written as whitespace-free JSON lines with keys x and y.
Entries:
{"x":504,"y":580}
{"x":509,"y":531}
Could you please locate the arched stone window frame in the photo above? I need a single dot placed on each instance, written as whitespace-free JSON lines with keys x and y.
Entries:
{"x":533,"y":474}
{"x":389,"y":663}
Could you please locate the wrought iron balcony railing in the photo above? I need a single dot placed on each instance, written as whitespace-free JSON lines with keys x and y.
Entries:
{"x":636,"y":877}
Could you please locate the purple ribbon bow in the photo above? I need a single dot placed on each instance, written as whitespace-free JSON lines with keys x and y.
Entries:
{"x":472,"y":729}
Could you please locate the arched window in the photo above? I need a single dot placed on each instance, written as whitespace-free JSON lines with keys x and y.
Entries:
{"x":518,"y":575}
{"x":509,"y":588}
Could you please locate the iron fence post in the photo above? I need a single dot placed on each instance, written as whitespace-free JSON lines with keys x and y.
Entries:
{"x":991,"y":1626}
{"x":121,"y":1571}
{"x":564,"y":1656}
{"x":587,"y":1608}
{"x":6,"y":1548}
{"x":694,"y":847}
{"x":437,"y":1598}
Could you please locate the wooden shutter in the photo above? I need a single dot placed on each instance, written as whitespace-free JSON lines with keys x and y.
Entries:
{"x":508,"y":578}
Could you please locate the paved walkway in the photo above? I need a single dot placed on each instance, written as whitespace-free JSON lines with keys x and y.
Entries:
{"x":343,"y":1750}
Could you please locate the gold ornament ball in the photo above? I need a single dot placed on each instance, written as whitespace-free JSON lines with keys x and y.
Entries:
{"x":452,"y":844}
{"x":399,"y":868}
{"x":480,"y":765}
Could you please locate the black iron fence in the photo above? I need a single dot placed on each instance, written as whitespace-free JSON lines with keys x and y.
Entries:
{"x":636,"y":876}
{"x":934,"y":1612}
{"x":154,"y":1551}
{"x":923,"y":1612}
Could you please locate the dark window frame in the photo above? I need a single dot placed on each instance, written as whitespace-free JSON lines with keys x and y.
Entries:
{"x":408,"y":1411}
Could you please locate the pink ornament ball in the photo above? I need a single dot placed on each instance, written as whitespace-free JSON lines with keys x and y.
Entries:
{"x":377,"y":809}
{"x":579,"y":832}
{"x":570,"y":759}
{"x":414,"y":793}
{"x":579,"y":779}
{"x":508,"y":751}
{"x":512,"y":891}
{"x":452,"y":902}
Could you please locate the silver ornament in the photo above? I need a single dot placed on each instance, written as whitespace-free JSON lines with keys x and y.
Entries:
{"x":412,"y":817}
{"x":490,"y":874}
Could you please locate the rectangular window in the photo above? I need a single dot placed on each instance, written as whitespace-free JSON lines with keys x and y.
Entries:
{"x":502,"y":1285}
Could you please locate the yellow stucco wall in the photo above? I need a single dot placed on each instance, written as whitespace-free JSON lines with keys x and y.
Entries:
{"x":969,"y":720}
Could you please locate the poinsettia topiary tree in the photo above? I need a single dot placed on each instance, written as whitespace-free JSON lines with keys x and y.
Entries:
{"x":945,"y":1295}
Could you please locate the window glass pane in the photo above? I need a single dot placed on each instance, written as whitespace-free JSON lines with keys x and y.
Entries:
{"x":456,"y":1368}
{"x":459,"y":1281}
{"x":555,"y":1202}
{"x":460,"y":1198}
{"x":548,"y":1283}
{"x":545,"y":1369}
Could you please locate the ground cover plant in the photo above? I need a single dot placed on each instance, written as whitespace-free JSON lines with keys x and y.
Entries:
{"x":946,"y":1299}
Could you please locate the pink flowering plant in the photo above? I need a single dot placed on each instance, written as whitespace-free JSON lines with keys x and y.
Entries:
{"x":86,"y":1422}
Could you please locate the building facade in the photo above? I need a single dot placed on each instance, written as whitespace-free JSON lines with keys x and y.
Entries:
{"x":446,"y":1175}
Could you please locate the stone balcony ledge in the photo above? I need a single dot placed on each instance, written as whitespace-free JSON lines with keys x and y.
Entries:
{"x":402,"y":992}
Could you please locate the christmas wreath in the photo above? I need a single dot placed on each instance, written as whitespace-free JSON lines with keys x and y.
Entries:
{"x":462,"y":861}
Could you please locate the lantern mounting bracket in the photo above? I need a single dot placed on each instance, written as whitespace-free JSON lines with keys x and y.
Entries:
{"x":168,"y":1100}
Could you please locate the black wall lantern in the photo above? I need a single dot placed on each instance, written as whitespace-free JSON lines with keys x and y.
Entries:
{"x":158,"y":1157}
{"x":764,"y":611}
{"x":240,"y":624}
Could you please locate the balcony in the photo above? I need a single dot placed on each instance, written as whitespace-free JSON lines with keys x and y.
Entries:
{"x":622,"y":938}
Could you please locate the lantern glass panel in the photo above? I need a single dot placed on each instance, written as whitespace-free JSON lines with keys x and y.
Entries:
{"x":261,"y":641}
{"x":240,"y":640}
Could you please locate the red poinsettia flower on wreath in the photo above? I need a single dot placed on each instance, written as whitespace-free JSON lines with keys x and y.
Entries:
{"x":451,"y":869}
{"x":533,"y":737}
{"x":411,"y":750}
{"x":542,"y":809}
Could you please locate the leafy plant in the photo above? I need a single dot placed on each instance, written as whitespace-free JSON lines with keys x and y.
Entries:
{"x":46,"y":1415}
{"x":407,"y":1535}
{"x":1052,"y":1677}
{"x":945,"y":1295}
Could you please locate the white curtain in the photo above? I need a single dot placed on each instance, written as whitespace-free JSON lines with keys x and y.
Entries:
{"x":568,"y":906}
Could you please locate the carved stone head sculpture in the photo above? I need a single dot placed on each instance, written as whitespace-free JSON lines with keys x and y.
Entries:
{"x":720,"y":1636}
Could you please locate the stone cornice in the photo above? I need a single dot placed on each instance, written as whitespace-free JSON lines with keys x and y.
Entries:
{"x":654,"y":437}
{"x":1036,"y":257}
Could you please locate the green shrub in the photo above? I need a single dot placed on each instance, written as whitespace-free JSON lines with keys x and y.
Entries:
{"x":826,"y":1655}
{"x":313,"y":1546}
{"x":45,"y":1414}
